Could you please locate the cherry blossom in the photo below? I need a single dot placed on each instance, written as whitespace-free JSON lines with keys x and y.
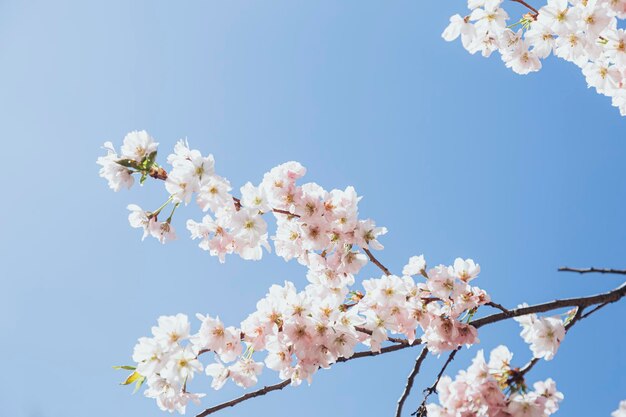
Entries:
{"x":116,"y":174}
{"x":295,"y":332}
{"x":543,"y":334}
{"x":621,"y":411}
{"x":492,"y":389}
{"x":585,"y":33}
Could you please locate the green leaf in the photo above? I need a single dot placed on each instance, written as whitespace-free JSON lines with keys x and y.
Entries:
{"x":128,"y":163}
{"x":143,"y":178}
{"x":139,"y":383}
{"x":152,"y":157}
{"x":135,"y":376}
{"x":125,"y":367}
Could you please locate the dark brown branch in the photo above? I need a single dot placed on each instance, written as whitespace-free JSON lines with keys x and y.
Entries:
{"x":283,"y":384}
{"x":529,"y":7}
{"x":409,"y":381}
{"x":391,"y":339}
{"x":593,"y":270}
{"x":285,"y":212}
{"x":593,"y":310}
{"x":376,"y":261}
{"x":245,"y":397}
{"x":607,"y":297}
{"x":421,"y":410}
{"x":498,"y":306}
{"x":524,"y":370}
{"x":386,"y":349}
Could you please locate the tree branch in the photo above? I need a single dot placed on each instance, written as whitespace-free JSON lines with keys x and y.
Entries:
{"x":529,"y":7}
{"x":376,"y":261}
{"x":592,"y":270}
{"x":593,"y":310}
{"x":421,"y":410}
{"x":409,"y":381}
{"x":498,"y":306}
{"x":245,"y":397}
{"x":283,"y":384}
{"x":607,"y":297}
{"x":581,"y":302}
{"x":391,"y":339}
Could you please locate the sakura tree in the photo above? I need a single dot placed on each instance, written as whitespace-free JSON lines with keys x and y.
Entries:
{"x":334,"y":319}
{"x":586,"y":33}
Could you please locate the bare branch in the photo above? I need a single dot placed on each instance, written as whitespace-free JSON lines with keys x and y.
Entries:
{"x":607,"y":297}
{"x":529,"y":7}
{"x":409,"y":381}
{"x":593,"y":310}
{"x":376,"y":261}
{"x":386,"y":349}
{"x":283,"y":384}
{"x":498,"y":306}
{"x":593,"y":270}
{"x":245,"y":397}
{"x":421,"y":410}
{"x":391,"y":339}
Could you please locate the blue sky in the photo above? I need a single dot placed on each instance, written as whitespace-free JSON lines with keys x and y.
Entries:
{"x":454,"y":153}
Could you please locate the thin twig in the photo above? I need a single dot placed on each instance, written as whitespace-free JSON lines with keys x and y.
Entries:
{"x":421,"y":410}
{"x":593,"y":270}
{"x":524,"y":370}
{"x":283,"y":384}
{"x":376,"y":261}
{"x":391,"y":339}
{"x":409,"y":381}
{"x":498,"y":306}
{"x":386,"y":349}
{"x":607,"y":297}
{"x":535,"y":11}
{"x":162,"y":175}
{"x":593,"y":310}
{"x":245,"y":397}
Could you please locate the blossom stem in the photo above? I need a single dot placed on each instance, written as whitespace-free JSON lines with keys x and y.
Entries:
{"x":169,"y":219}
{"x":535,"y":11}
{"x":421,"y":410}
{"x":376,"y":261}
{"x":157,"y":211}
{"x":163,"y":175}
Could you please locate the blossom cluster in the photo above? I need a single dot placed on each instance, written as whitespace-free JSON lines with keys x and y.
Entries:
{"x":314,"y":226}
{"x":584,"y":32}
{"x":494,"y":389}
{"x":294,"y":333}
{"x":301,"y":332}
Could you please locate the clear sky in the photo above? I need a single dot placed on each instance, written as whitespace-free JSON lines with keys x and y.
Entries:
{"x":454,"y":153}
